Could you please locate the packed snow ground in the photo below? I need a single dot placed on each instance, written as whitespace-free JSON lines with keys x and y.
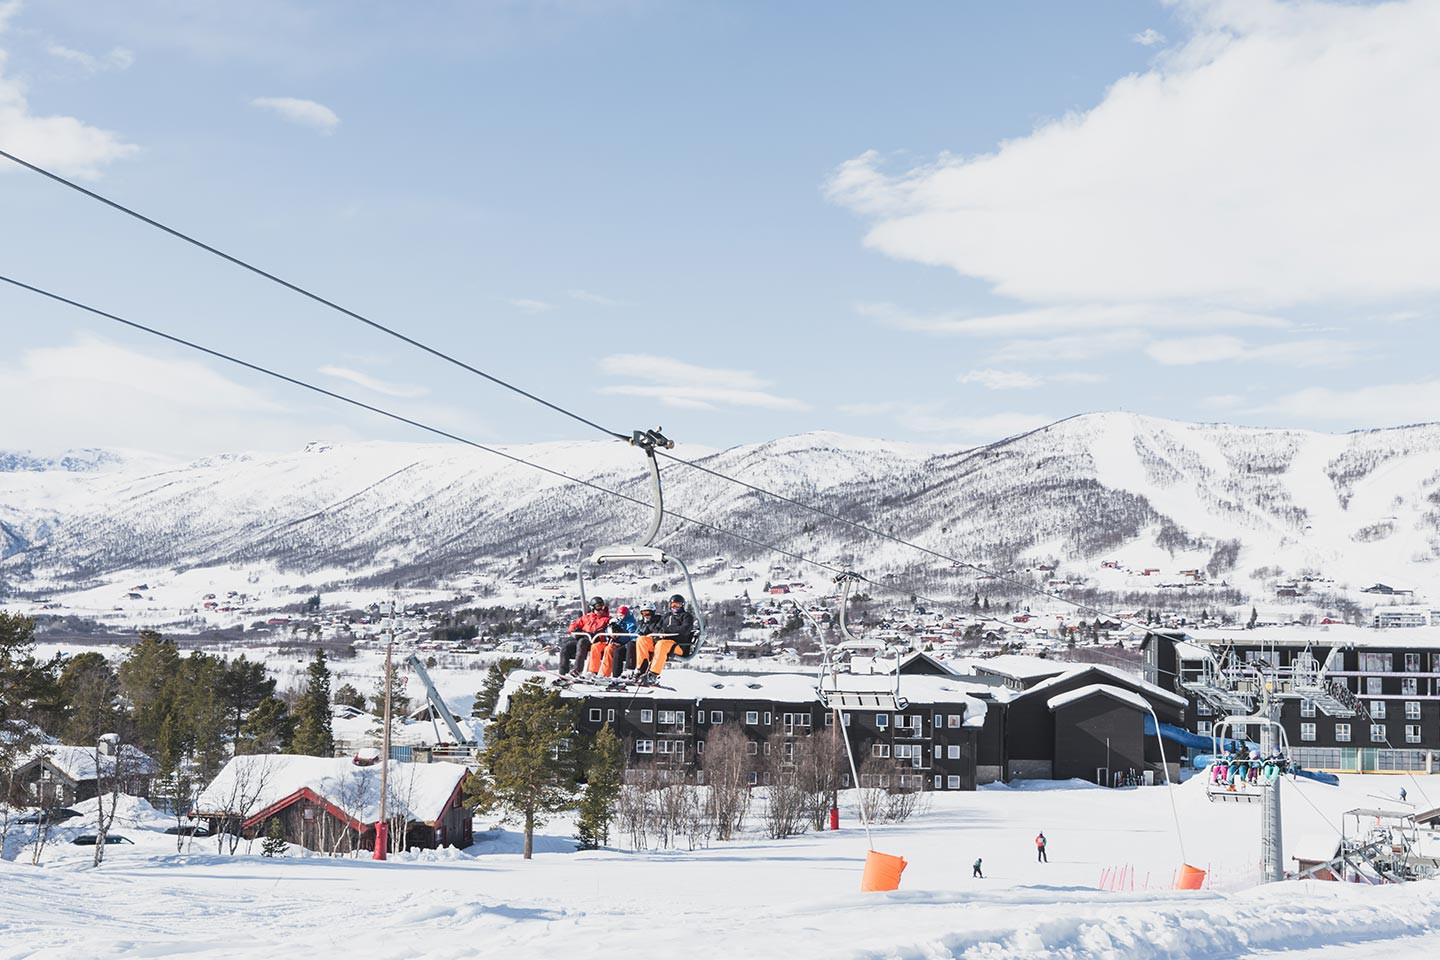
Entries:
{"x":794,"y":898}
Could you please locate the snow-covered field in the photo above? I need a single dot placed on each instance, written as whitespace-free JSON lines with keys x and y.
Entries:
{"x":754,"y":897}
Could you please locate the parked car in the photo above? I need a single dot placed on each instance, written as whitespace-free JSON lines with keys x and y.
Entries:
{"x":189,"y":830}
{"x":53,"y":815}
{"x":90,"y":839}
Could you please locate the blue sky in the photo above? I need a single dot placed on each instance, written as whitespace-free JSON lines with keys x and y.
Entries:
{"x":939,"y":222}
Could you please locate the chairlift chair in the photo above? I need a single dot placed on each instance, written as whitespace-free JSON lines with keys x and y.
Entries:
{"x":1229,"y":781}
{"x":837,"y":661}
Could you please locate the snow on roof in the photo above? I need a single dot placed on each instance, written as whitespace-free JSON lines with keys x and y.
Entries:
{"x":1018,"y":666}
{"x":777,"y":687}
{"x":252,"y":783}
{"x":1335,"y":635}
{"x":1315,"y":847}
{"x":1124,"y":676}
{"x":1080,"y":693}
{"x":78,"y":763}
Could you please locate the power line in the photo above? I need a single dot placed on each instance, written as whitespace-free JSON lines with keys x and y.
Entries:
{"x":296,"y":288}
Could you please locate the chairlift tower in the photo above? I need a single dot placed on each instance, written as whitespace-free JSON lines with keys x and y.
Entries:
{"x":1234,"y":689}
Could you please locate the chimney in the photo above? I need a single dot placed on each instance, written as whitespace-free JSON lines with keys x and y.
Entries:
{"x":109,"y":744}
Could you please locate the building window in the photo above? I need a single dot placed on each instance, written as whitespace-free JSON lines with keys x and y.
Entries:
{"x":699,"y":746}
{"x":900,"y":722}
{"x":752,"y":748}
{"x":595,"y":715}
{"x":1377,"y":733}
{"x":664,"y":746}
{"x":882,"y":720}
{"x":1342,"y":733}
{"x":752,"y":717}
{"x":644,"y":746}
{"x":754,"y":778}
{"x":716,"y":716}
{"x":767,"y":748}
{"x":1412,"y":663}
{"x":846,"y":719}
{"x":1203,"y":709}
{"x":1307,"y":732}
{"x":610,"y":716}
{"x":880,"y":750}
{"x":1412,"y":709}
{"x":1202,"y":727}
{"x":938,"y":781}
{"x":1377,"y":662}
{"x":1307,"y":708}
{"x":1377,"y":709}
{"x":953,"y":720}
{"x":829,"y":719}
{"x":1373,"y":686}
{"x":904,"y":751}
{"x":953,"y":782}
{"x":767,"y":718}
{"x":1412,"y":733}
{"x":1410,"y":687}
{"x":1435,"y":663}
{"x":952,"y":752}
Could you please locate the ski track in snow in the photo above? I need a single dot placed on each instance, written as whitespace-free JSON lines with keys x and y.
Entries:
{"x":752,"y":898}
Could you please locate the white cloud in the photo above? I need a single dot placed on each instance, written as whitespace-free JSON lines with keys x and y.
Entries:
{"x":305,"y":113}
{"x":62,"y":143}
{"x":1393,"y":404}
{"x":586,"y":296}
{"x":1188,"y":351}
{"x":1278,"y":156}
{"x":931,"y":418}
{"x":530,"y":306}
{"x":371,"y":383}
{"x":992,"y":379}
{"x":1075,"y":317}
{"x":687,"y":386}
{"x":1075,"y":348}
{"x":96,"y":393}
{"x":1149,"y":37}
{"x":118,"y":58}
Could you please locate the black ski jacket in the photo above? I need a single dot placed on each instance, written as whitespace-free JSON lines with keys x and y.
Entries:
{"x":682,"y":624}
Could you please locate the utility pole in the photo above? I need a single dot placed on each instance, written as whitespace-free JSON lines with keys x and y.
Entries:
{"x":382,"y":829}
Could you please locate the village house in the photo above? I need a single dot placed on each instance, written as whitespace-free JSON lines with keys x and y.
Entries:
{"x":56,"y":775}
{"x":332,"y":804}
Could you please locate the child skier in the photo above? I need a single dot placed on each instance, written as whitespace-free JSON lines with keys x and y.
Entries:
{"x":1040,"y":848}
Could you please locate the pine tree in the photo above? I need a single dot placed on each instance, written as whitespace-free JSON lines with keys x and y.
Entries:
{"x":525,"y":770}
{"x":313,"y":733}
{"x":268,"y":729}
{"x":604,"y":774}
{"x":1254,"y":618}
{"x":489,"y":693}
{"x":274,"y":844}
{"x":243,"y":685}
{"x":348,"y":696}
{"x":148,"y":679}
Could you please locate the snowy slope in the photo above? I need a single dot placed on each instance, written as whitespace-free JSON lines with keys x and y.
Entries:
{"x":1357,"y":507}
{"x":753,"y":897}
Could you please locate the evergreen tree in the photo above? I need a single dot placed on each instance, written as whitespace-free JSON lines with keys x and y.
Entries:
{"x":86,"y":675}
{"x":274,"y":844}
{"x":1254,"y":618}
{"x":148,"y":678}
{"x":348,"y":696}
{"x":197,"y":704}
{"x":604,"y":775}
{"x":268,"y":729}
{"x":525,"y":770}
{"x":489,"y":693}
{"x":28,"y":687}
{"x":243,"y":685}
{"x":313,"y":733}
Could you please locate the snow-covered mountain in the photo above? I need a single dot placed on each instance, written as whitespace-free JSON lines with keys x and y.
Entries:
{"x":1145,"y":492}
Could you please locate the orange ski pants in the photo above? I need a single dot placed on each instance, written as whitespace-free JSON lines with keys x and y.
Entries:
{"x":602,"y":657}
{"x":654,"y":649}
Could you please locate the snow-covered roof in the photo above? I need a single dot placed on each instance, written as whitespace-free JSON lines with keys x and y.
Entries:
{"x":698,"y":685}
{"x":1124,"y":676}
{"x":252,"y":783}
{"x":78,"y":763}
{"x":1335,"y":635}
{"x":1018,"y":666}
{"x":1105,"y":689}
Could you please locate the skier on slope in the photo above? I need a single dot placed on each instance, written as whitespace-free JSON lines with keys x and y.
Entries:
{"x":1040,"y":856}
{"x":577,"y":647}
{"x":975,"y":870}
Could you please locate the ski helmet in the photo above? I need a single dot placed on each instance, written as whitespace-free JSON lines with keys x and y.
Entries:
{"x":678,"y":599}
{"x":597,"y":603}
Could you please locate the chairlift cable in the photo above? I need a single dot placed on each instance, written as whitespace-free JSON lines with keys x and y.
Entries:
{"x":440,"y":354}
{"x":296,"y":288}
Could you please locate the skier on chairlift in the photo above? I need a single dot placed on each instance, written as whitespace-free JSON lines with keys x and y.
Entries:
{"x":677,"y":632}
{"x":576,"y":648}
